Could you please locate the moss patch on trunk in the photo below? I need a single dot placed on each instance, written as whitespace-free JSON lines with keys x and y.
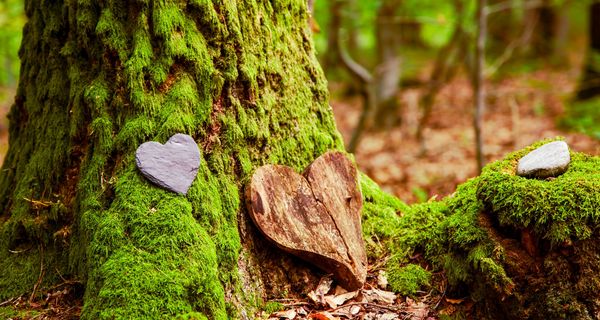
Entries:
{"x":100,"y":78}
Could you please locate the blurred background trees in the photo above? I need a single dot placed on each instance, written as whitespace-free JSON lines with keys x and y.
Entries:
{"x":12,"y":19}
{"x":402,"y":74}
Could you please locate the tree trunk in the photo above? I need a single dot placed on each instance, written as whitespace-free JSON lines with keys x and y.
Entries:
{"x":387,"y":72}
{"x":589,"y":85}
{"x":478,"y":86}
{"x":542,"y":41}
{"x":100,"y":78}
{"x":335,"y":23}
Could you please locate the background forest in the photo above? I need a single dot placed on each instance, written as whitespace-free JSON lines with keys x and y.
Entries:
{"x":416,"y":139}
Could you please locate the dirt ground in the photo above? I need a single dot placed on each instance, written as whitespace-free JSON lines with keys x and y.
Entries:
{"x":520,"y":110}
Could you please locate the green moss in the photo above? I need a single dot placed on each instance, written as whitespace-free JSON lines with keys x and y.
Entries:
{"x":241,"y":78}
{"x":408,"y":279}
{"x":272,"y":306}
{"x":465,"y":233}
{"x":11,"y":313}
{"x":561,"y":209}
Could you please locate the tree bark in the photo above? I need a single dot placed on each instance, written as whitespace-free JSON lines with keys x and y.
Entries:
{"x":100,"y":78}
{"x":589,"y":86}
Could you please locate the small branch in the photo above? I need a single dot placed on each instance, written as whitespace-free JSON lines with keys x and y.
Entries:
{"x":351,"y":65}
{"x":41,"y":276}
{"x":508,"y":52}
{"x":507,"y":5}
{"x":366,"y":80}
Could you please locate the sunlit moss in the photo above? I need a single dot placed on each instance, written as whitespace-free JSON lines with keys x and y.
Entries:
{"x":408,"y":279}
{"x":241,"y":78}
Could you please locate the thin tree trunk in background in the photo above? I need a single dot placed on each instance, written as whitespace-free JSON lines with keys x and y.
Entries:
{"x":387,"y":72}
{"x":331,"y":60}
{"x":589,"y":85}
{"x":353,"y":25}
{"x":559,"y":46}
{"x":365,"y":79}
{"x":479,"y":90}
{"x":542,"y":40}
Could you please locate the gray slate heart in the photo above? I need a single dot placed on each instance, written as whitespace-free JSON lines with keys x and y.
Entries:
{"x":172,"y":166}
{"x":549,"y":160}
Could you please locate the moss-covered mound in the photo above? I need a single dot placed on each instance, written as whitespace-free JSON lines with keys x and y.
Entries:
{"x":522,"y":248}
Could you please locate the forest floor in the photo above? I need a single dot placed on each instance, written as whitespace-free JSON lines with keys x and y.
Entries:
{"x":521,"y":109}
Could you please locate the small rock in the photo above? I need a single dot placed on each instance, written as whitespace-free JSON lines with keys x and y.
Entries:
{"x":172,"y":166}
{"x":549,"y":160}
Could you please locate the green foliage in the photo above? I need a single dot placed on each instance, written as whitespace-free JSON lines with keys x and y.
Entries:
{"x":584,"y":116}
{"x":272,"y":306}
{"x":408,"y":279}
{"x":12,"y":20}
{"x":11,"y":313}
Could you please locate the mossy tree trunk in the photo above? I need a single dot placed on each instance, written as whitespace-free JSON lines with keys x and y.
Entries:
{"x":98,"y":78}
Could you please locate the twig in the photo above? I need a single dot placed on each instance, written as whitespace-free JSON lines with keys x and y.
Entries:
{"x":39,"y":203}
{"x":441,"y":297}
{"x":9,"y":301}
{"x":508,"y":52}
{"x":41,"y":276}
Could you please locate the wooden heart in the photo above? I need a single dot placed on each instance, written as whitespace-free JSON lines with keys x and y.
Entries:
{"x":172,"y":166}
{"x":315,"y":216}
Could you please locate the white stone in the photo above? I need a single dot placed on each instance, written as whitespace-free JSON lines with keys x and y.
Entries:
{"x":549,"y":160}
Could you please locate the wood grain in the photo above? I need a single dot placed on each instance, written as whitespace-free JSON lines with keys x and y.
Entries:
{"x":315,"y":217}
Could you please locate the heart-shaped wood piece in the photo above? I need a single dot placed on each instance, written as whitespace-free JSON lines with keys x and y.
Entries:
{"x":315,"y":216}
{"x":172,"y":166}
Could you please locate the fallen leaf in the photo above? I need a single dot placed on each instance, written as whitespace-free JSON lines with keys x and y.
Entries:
{"x":322,"y":289}
{"x":388,"y":316}
{"x":339,"y":290}
{"x":380,"y":295}
{"x":417,"y":311}
{"x":455,"y":301}
{"x":382,"y":281}
{"x":323,"y":316}
{"x":301,"y":311}
{"x":341,"y":298}
{"x":287,"y":314}
{"x":354,"y":310}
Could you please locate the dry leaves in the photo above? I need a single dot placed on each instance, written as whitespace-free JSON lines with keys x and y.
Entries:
{"x":326,"y":302}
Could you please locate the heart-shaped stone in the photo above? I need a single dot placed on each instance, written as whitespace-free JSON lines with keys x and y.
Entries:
{"x":315,"y":217}
{"x":172,"y":166}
